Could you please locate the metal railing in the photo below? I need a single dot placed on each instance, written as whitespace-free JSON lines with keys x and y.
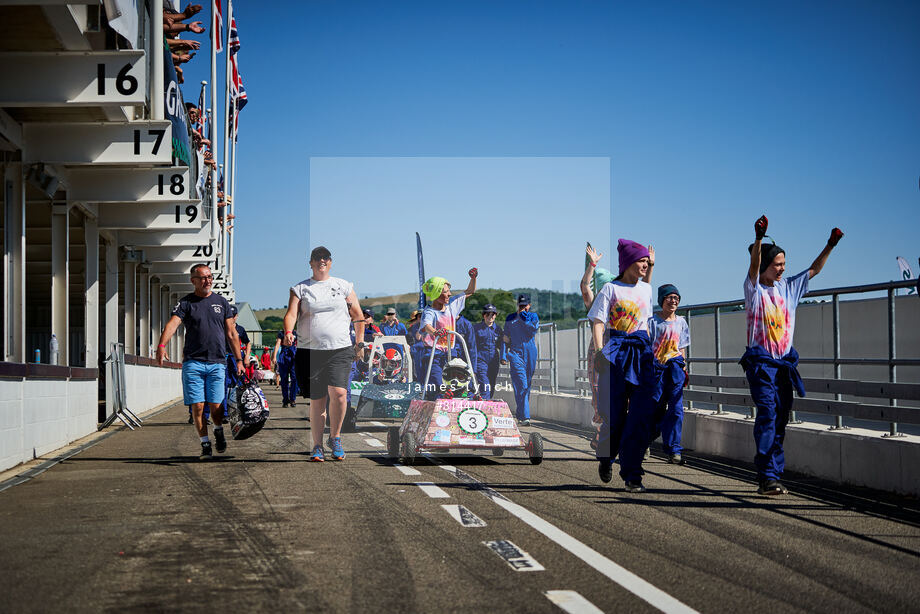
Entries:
{"x":542,"y":376}
{"x":891,"y":391}
{"x":116,"y":359}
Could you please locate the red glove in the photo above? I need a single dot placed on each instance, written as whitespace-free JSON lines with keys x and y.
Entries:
{"x":836,"y":235}
{"x":760,"y":227}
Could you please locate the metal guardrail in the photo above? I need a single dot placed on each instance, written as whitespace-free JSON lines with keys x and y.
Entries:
{"x":891,"y":390}
{"x":542,"y":376}
{"x":116,"y":359}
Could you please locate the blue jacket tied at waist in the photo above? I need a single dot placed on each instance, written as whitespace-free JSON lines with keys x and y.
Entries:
{"x":757,"y":358}
{"x":627,"y":351}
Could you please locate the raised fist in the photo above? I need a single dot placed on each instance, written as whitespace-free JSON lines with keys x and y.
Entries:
{"x":836,"y":235}
{"x":760,"y":227}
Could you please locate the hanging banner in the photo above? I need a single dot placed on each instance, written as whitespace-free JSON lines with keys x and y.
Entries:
{"x":906,"y":273}
{"x":421,"y":272}
{"x":175,"y":112}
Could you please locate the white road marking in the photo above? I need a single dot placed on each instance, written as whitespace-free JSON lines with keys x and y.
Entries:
{"x":374,"y":443}
{"x":432,"y":491}
{"x":377,"y":424}
{"x":572,"y":602}
{"x":464,"y":516}
{"x":516,"y":558}
{"x":407,"y":470}
{"x":622,"y":576}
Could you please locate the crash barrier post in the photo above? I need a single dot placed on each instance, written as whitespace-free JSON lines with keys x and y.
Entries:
{"x":891,"y":391}
{"x":116,"y":360}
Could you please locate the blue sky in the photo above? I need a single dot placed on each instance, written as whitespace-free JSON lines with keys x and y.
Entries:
{"x":700,"y":116}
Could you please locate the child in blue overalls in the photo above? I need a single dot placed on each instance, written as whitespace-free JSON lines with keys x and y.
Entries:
{"x":624,"y":364}
{"x":670,"y":335}
{"x":770,"y":362}
{"x":490,"y":350}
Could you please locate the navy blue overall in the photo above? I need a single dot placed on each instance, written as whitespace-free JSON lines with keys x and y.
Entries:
{"x":286,"y":372}
{"x":669,"y":409}
{"x":624,"y":395}
{"x":489,"y":354}
{"x":521,"y":351}
{"x":465,"y":329}
{"x":772,"y":382}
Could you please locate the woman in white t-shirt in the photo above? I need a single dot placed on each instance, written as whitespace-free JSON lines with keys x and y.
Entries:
{"x":624,"y":364}
{"x":323,"y":307}
{"x":770,"y":362}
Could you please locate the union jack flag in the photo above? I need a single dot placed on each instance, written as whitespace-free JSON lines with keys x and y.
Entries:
{"x":234,"y":40}
{"x":218,"y":27}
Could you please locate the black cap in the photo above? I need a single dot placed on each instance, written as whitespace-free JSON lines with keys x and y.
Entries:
{"x":367,"y":313}
{"x":233,"y":310}
{"x":523,"y":299}
{"x":319,"y":252}
{"x":489,"y":308}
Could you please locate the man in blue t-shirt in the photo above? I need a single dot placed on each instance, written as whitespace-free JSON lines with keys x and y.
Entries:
{"x":209,"y":326}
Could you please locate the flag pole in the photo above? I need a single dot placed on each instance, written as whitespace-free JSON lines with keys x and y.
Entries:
{"x":231,"y":207}
{"x":223,"y":136}
{"x":157,"y":99}
{"x":213,"y":110}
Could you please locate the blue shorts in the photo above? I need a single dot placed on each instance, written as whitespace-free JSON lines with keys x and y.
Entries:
{"x":203,"y":382}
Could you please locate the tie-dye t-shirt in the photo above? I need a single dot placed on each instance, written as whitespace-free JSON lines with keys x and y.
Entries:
{"x":771,"y":312}
{"x":446,"y":319}
{"x":623,"y":307}
{"x":668,"y":337}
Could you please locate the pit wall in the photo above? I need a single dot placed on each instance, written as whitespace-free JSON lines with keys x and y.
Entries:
{"x":46,"y":407}
{"x":150,"y":386}
{"x":855,"y":456}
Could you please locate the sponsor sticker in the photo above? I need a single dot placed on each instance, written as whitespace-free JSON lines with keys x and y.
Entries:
{"x":506,"y":441}
{"x":471,"y":441}
{"x":442,"y":420}
{"x":502,"y":422}
{"x":441,"y":435}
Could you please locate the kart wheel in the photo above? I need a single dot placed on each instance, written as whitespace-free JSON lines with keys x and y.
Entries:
{"x":393,"y":442}
{"x":535,"y":448}
{"x":408,"y":448}
{"x":498,"y":451}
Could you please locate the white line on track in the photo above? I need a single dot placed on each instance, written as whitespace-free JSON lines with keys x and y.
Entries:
{"x":377,"y":424}
{"x":374,"y":443}
{"x":407,"y":470}
{"x":572,"y":602}
{"x":432,"y":491}
{"x":622,"y":576}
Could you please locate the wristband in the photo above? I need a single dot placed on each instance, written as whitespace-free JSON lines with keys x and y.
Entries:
{"x":593,"y":264}
{"x":288,"y":332}
{"x":161,"y":346}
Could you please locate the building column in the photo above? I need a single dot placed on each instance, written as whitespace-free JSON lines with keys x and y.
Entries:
{"x":91,"y":283}
{"x":130,"y":301}
{"x":156,"y":310}
{"x":14,"y":264}
{"x":111,"y":316}
{"x":60,"y":280}
{"x":144,"y":307}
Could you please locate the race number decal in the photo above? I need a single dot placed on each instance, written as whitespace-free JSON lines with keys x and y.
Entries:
{"x":473,"y":421}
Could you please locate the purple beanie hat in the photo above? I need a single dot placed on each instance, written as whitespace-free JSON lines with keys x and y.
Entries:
{"x":629,"y":252}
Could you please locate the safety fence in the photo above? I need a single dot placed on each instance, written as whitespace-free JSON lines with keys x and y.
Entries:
{"x":116,"y":362}
{"x":546,"y":373}
{"x":857,"y":399}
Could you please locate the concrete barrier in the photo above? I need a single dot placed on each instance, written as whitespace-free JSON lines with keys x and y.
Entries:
{"x":855,"y":456}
